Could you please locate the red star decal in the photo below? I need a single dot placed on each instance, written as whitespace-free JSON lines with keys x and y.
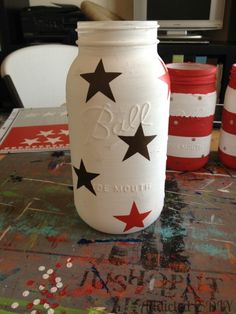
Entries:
{"x":134,"y":219}
{"x":165,"y":78}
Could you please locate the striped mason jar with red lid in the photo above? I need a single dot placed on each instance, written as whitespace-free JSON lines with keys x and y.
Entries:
{"x":192,"y":108}
{"x":227,"y":143}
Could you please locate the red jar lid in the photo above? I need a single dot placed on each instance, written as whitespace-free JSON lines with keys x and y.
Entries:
{"x":232,"y":78}
{"x":194,"y":78}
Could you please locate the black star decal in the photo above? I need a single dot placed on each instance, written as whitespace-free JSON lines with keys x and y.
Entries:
{"x":85,"y":178}
{"x":99,"y":81}
{"x":137,"y":143}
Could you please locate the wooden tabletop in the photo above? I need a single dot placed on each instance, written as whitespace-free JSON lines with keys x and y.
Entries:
{"x":52,"y":262}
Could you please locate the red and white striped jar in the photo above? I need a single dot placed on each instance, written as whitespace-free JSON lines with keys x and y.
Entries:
{"x":192,"y":108}
{"x":227,"y":143}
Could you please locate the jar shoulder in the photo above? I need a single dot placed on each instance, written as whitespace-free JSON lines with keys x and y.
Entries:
{"x":124,"y":61}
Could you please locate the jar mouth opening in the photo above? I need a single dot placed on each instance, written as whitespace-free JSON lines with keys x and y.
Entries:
{"x":191,"y":69}
{"x":116,"y":25}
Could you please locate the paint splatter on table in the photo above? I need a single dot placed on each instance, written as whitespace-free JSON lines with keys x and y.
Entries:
{"x":52,"y":262}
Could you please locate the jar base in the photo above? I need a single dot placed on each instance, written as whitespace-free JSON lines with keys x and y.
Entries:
{"x":119,"y":232}
{"x":227,"y":160}
{"x":186,"y":164}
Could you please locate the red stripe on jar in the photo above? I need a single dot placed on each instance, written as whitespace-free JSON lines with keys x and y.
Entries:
{"x":193,"y":78}
{"x":227,"y":160}
{"x":186,"y":164}
{"x":229,"y":121}
{"x":232,"y":79}
{"x":190,"y":126}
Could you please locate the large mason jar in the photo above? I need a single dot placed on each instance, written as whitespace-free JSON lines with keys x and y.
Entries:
{"x":118,"y":111}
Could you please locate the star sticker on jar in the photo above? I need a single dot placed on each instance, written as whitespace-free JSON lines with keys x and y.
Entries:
{"x":137,"y":143}
{"x":99,"y":81}
{"x":134,"y":218}
{"x":165,"y":78}
{"x":85,"y":177}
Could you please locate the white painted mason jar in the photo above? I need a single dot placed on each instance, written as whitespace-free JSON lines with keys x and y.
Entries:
{"x":118,"y":108}
{"x":227,"y":143}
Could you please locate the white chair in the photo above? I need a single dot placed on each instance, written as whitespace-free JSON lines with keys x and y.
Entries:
{"x":36,"y":75}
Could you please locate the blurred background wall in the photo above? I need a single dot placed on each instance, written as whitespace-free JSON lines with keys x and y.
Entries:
{"x":123,"y":8}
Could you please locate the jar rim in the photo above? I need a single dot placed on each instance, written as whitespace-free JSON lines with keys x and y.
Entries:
{"x":191,"y":69}
{"x":190,"y":66}
{"x":115,"y":25}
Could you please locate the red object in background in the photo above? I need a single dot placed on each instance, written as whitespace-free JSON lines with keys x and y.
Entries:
{"x":190,"y":126}
{"x":40,"y":137}
{"x":232,"y":79}
{"x":227,"y":144}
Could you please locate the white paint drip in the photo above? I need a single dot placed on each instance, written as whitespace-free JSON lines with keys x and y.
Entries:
{"x":41,"y":268}
{"x":223,"y":241}
{"x":36,"y":302}
{"x":59,"y":285}
{"x":224,"y":190}
{"x":15,"y":305}
{"x":23,"y":211}
{"x":5,"y":232}
{"x":207,"y":184}
{"x":58,"y":279}
{"x":69,"y":265}
{"x":45,"y":181}
{"x":5,"y":204}
{"x":45,"y":276}
{"x":152,"y":284}
{"x":53,"y":289}
{"x":50,"y":271}
{"x":46,"y":211}
{"x":209,"y":223}
{"x":25,"y":293}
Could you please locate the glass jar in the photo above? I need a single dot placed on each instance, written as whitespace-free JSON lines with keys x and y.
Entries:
{"x":227,"y":142}
{"x":192,"y":108}
{"x":118,"y":106}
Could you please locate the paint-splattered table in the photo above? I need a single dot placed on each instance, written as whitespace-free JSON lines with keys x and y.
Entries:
{"x":52,"y":262}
